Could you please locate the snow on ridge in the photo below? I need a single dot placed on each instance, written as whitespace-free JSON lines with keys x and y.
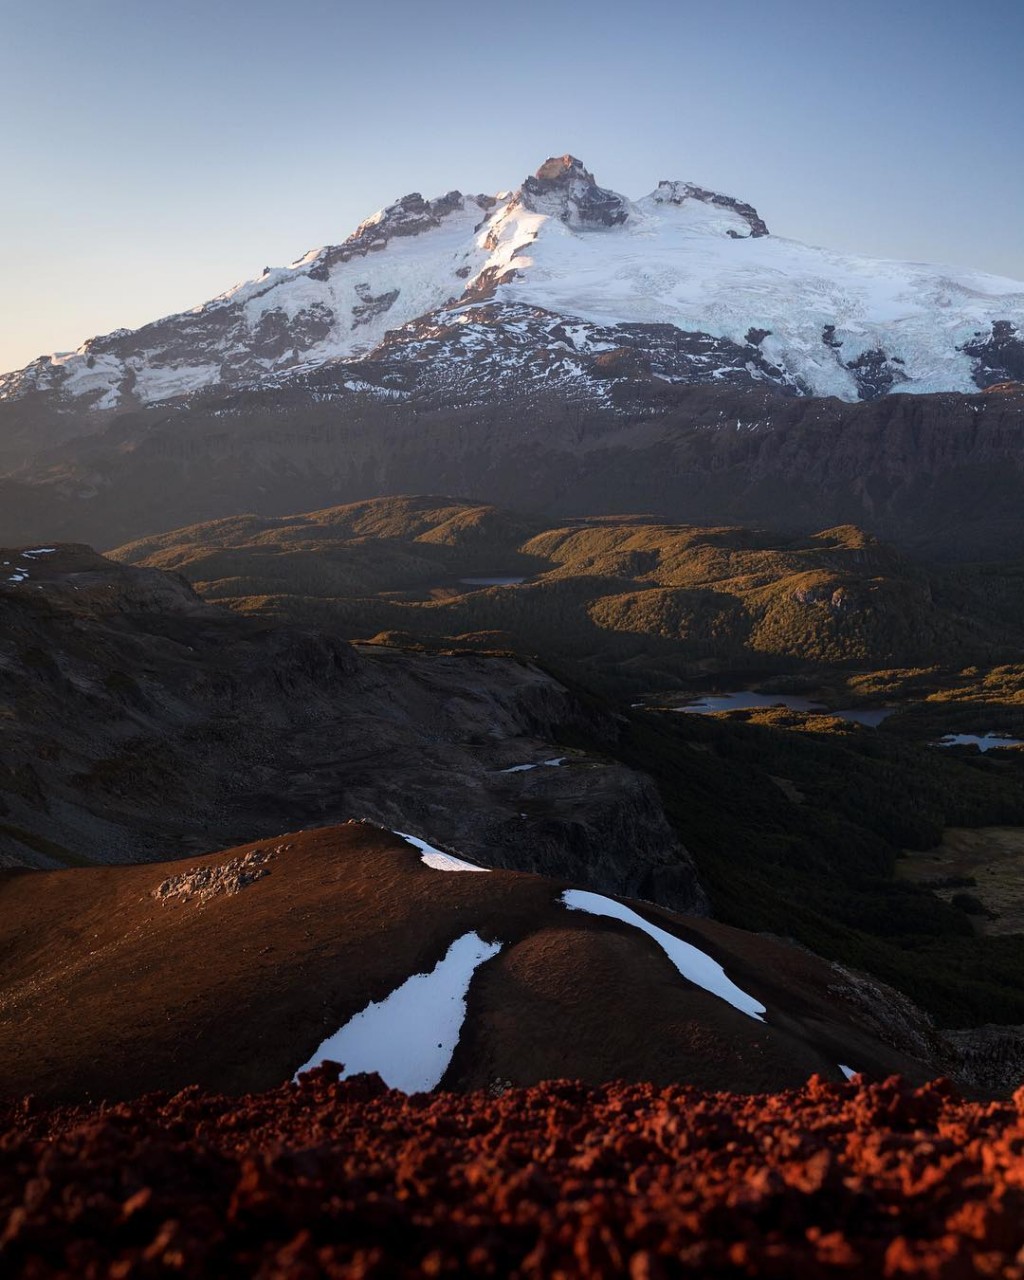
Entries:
{"x":682,"y":256}
{"x":409,"y":1037}
{"x":436,"y":858}
{"x":678,"y":265}
{"x":694,"y":965}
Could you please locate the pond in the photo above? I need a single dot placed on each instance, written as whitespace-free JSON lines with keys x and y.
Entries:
{"x":745,"y":699}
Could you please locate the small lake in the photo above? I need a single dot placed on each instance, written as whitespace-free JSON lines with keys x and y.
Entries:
{"x":745,"y":699}
{"x":983,"y":741}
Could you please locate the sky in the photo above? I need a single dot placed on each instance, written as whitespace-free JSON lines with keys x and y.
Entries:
{"x":153,"y":155}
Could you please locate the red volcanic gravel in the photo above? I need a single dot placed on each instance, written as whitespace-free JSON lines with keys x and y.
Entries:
{"x":350,"y":1179}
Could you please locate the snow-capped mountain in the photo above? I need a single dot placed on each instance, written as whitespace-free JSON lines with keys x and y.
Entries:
{"x":564,"y":283}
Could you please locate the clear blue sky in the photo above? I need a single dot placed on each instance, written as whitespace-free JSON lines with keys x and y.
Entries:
{"x":153,"y":154}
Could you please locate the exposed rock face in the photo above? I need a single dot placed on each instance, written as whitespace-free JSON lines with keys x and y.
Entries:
{"x":679,"y":192}
{"x":371,"y":307}
{"x":409,"y":216}
{"x":141,"y":720}
{"x":525,"y":353}
{"x":990,"y":1057}
{"x":875,"y":373}
{"x":564,"y":188}
{"x":998,"y":355}
{"x":889,"y":1014}
{"x":940,"y":475}
{"x":689,"y":359}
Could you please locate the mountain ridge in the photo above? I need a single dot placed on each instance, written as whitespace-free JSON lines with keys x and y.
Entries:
{"x":309,"y":927}
{"x":694,"y":266}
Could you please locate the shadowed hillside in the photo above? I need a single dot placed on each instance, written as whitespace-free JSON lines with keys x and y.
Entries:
{"x":144,"y":721}
{"x":141,"y":721}
{"x":110,"y":988}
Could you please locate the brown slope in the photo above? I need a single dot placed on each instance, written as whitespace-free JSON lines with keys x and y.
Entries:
{"x":109,"y":991}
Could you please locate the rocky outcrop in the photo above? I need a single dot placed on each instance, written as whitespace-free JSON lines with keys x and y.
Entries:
{"x":679,"y":192}
{"x":564,"y":188}
{"x":410,"y":215}
{"x":876,"y":373}
{"x":998,"y":355}
{"x":200,"y":884}
{"x":990,"y":1058}
{"x":370,"y":307}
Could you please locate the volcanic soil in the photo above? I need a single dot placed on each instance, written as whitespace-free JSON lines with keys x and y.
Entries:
{"x":347,"y":1180}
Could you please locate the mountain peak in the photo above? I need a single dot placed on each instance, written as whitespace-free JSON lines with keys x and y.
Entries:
{"x":564,"y":188}
{"x":556,"y":167}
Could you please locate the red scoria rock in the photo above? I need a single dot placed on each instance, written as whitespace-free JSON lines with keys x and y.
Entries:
{"x":350,"y":1179}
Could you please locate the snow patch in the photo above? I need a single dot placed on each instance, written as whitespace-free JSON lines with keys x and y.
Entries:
{"x":983,"y":741}
{"x":409,"y":1037}
{"x":692,"y":963}
{"x":543,"y":764}
{"x":160,"y":382}
{"x":436,"y":858}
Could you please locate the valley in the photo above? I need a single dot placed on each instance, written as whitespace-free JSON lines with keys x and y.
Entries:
{"x":241,"y":678}
{"x":838,"y":620}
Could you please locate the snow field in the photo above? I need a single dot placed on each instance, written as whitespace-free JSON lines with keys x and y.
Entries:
{"x":691,"y":264}
{"x":435,"y":858}
{"x":409,"y":1037}
{"x":543,"y":764}
{"x":692,"y":963}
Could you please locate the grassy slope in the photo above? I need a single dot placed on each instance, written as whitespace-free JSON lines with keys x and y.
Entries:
{"x":627,"y":600}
